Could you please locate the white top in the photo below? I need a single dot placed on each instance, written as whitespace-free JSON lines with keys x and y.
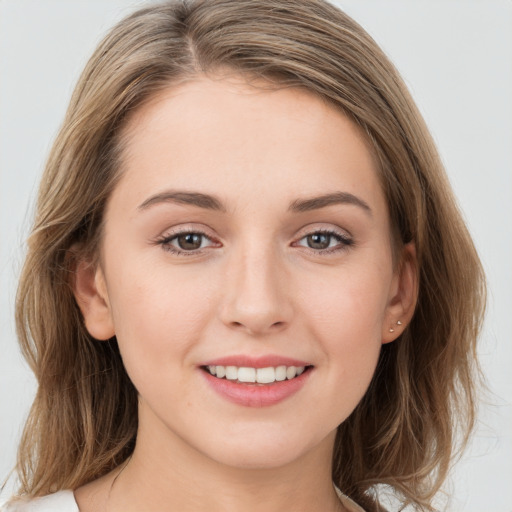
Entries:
{"x":64,"y":501}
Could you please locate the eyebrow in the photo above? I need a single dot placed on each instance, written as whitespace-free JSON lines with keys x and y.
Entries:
{"x":198,"y":199}
{"x":210,"y":202}
{"x":315,"y":203}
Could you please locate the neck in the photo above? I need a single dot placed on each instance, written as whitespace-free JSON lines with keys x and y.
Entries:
{"x":172,"y":475}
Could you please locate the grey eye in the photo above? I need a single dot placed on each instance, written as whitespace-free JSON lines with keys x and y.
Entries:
{"x":328,"y":241}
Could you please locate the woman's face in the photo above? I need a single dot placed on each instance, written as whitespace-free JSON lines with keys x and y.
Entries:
{"x":248,"y":233}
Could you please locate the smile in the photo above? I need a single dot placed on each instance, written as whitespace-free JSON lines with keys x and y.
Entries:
{"x":256,"y":381}
{"x":245,"y":374}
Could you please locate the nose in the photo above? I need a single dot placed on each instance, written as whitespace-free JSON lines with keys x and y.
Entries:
{"x":256,"y":297}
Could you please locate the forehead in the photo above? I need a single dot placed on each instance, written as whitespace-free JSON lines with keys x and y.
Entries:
{"x":222,"y":134}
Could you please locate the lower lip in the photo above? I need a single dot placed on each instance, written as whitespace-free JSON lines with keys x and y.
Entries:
{"x":256,"y":395}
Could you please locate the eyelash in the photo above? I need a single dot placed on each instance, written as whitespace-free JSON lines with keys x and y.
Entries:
{"x":166,"y":241}
{"x":344,"y":242}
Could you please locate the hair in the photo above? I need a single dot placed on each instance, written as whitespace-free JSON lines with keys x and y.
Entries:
{"x":420,"y":406}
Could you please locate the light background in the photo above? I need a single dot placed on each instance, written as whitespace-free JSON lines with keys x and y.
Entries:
{"x":456,"y":57}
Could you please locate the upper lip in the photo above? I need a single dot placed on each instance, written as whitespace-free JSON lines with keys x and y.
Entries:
{"x":247,"y":361}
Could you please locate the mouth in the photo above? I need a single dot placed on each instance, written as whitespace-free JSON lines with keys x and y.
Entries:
{"x":256,"y":381}
{"x":261,"y":376}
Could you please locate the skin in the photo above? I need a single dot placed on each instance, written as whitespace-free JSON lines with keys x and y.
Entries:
{"x":256,"y":287}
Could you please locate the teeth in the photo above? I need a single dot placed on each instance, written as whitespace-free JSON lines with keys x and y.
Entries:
{"x":247,"y":374}
{"x":231,"y":372}
{"x":256,"y":375}
{"x":291,"y":371}
{"x":281,"y":373}
{"x":265,"y":375}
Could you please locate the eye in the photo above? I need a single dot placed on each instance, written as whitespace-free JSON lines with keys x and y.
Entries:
{"x":189,"y":241}
{"x":328,"y":241}
{"x":186,"y":242}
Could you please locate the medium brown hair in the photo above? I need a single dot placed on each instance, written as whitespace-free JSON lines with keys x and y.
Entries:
{"x":83,"y":421}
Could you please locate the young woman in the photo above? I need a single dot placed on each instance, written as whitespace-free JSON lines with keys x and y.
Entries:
{"x":248,"y":286}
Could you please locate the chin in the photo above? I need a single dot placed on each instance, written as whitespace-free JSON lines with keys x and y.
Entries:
{"x":257,"y":452}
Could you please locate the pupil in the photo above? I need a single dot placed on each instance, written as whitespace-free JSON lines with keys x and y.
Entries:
{"x":319,"y":241}
{"x":189,"y":241}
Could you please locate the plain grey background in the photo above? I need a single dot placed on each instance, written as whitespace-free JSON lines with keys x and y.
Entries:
{"x":456,"y":57}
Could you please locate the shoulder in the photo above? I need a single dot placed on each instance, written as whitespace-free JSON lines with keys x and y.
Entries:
{"x":62,"y":501}
{"x":347,"y":503}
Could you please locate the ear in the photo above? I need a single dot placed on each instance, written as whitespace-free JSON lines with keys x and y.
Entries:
{"x":91,"y":295}
{"x":403,"y":295}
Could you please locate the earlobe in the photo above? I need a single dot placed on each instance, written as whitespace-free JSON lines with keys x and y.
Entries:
{"x":404,"y":295}
{"x":91,"y":295}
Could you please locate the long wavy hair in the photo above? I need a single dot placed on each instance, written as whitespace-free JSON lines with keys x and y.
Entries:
{"x":83,"y":421}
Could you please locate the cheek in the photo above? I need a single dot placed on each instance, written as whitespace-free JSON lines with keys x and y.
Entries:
{"x":158,"y":317}
{"x":346,"y":315}
{"x":352,"y":303}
